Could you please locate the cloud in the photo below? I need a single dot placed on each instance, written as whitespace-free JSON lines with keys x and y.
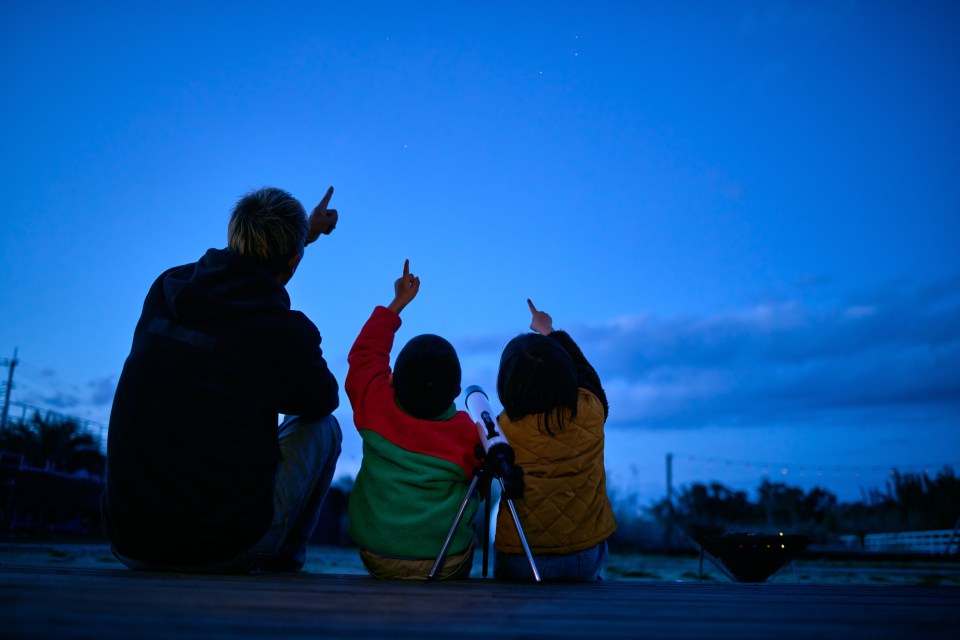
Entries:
{"x":102,"y":390}
{"x":43,"y":390}
{"x":65,"y":397}
{"x":890,"y":354}
{"x":60,"y":400}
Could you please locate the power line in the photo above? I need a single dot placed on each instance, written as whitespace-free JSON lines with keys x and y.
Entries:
{"x":24,"y":407}
{"x":816,"y":470}
{"x":41,"y":387}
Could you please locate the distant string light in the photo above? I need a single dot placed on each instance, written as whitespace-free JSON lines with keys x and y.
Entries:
{"x":816,"y":470}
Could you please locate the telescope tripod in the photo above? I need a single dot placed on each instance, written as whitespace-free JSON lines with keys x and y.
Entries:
{"x":511,"y":486}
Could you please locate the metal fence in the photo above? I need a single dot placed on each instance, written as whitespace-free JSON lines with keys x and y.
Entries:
{"x":936,"y":542}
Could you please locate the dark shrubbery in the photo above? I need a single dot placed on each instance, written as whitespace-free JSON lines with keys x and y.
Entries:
{"x":57,"y":442}
{"x":910,"y":502}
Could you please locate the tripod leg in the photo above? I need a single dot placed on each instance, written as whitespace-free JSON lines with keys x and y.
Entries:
{"x":453,"y":529}
{"x":523,"y":538}
{"x":486,"y":529}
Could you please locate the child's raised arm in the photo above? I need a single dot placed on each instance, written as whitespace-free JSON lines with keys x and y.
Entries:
{"x":405,"y":289}
{"x":542,"y":323}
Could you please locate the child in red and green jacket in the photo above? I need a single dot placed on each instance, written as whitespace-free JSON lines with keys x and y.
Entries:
{"x":418,"y":450}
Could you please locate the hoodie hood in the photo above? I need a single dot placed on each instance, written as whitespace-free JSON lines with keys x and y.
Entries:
{"x":221,"y":284}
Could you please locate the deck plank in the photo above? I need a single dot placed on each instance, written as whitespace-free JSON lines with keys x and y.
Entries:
{"x":43,"y":602}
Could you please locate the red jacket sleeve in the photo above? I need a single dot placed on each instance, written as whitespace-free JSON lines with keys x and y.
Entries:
{"x":369,"y":359}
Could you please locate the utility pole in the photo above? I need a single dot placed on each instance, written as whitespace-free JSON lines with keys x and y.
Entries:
{"x":6,"y":402}
{"x":668,"y":530}
{"x":670,"y":478}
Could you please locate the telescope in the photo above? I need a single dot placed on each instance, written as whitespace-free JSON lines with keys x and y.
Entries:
{"x":499,"y":453}
{"x":497,"y":462}
{"x":478,"y":406}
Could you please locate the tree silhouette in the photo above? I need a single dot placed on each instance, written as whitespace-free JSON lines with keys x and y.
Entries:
{"x":710,"y":509}
{"x":60,"y":442}
{"x":911,"y":502}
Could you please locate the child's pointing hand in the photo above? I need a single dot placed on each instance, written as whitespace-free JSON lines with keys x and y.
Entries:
{"x":405,"y":289}
{"x":541,"y":322}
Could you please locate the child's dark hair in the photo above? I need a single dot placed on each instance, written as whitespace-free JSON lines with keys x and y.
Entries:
{"x":537,"y":376}
{"x":426,"y":376}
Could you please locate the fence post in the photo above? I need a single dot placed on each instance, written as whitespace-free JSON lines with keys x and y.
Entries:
{"x":950,"y":540}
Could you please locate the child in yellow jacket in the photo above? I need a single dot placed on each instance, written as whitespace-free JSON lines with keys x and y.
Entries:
{"x":554,"y":415}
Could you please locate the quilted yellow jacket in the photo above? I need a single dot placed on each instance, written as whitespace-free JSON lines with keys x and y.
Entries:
{"x":565,"y":506}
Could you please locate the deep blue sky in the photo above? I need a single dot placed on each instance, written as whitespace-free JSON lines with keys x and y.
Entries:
{"x":747,"y":213}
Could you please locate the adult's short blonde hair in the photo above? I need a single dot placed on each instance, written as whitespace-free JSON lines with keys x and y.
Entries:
{"x":268,"y":226}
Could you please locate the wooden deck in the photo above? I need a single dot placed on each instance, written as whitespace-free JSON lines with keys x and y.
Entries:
{"x":70,"y":602}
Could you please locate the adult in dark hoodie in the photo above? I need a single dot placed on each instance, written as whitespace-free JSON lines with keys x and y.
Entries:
{"x":199,"y":475}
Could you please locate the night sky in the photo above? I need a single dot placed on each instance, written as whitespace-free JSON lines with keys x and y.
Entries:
{"x":746,"y":213}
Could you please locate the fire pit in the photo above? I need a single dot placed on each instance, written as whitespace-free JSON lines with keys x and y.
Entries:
{"x":751,"y":557}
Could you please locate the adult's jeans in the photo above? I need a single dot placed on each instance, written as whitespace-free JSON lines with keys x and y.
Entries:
{"x":309,"y":449}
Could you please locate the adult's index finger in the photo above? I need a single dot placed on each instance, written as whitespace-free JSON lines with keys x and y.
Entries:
{"x":406,"y":268}
{"x":326,"y":199}
{"x":533,"y":309}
